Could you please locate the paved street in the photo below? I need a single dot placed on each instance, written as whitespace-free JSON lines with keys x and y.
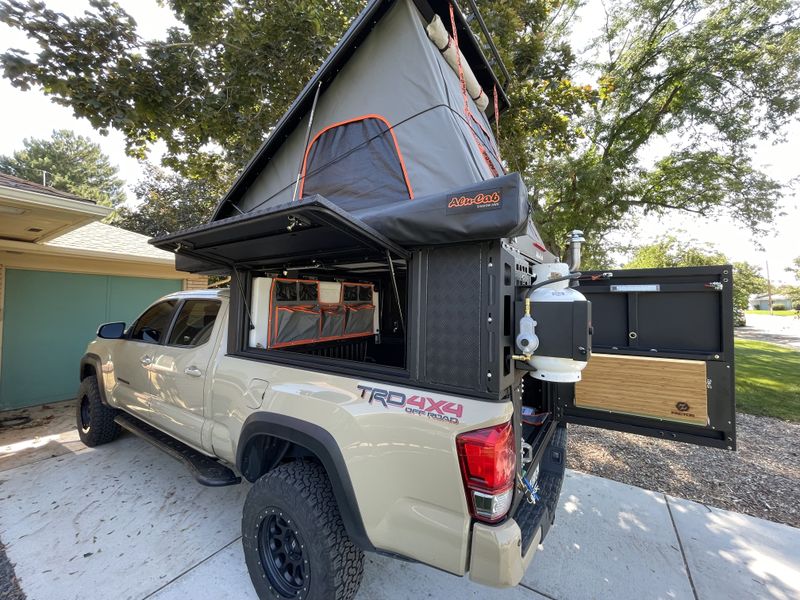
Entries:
{"x":769,"y":328}
{"x":126,"y":521}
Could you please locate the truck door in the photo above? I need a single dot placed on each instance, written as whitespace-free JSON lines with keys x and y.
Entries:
{"x":134,"y":356}
{"x":180,"y":366}
{"x":662,"y":355}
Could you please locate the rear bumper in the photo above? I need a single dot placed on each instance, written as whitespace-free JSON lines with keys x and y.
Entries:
{"x":501,"y":553}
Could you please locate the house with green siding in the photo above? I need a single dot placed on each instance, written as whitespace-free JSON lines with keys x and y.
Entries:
{"x":63,"y":273}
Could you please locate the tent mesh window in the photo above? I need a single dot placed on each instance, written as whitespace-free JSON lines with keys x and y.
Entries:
{"x":356,"y":164}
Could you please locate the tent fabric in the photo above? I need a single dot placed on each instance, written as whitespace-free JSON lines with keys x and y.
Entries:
{"x":352,"y":48}
{"x":491,"y":209}
{"x":444,"y":42}
{"x":355,"y":164}
{"x":397,"y":72}
{"x":401,"y":157}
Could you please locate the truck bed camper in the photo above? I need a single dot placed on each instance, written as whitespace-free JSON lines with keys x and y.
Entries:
{"x":399,"y":347}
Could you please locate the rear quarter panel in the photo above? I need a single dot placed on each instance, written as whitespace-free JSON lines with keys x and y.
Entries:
{"x":402,"y":459}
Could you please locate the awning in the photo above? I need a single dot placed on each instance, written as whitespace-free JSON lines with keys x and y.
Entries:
{"x":289,"y":235}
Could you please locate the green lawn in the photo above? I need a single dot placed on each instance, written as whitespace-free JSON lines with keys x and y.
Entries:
{"x":777,"y":313}
{"x":767,"y":380}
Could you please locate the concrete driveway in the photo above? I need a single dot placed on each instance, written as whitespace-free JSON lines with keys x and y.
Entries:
{"x":126,"y":521}
{"x":770,"y":328}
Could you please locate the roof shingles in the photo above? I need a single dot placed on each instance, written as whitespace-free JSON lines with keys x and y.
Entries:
{"x":10,"y":181}
{"x":99,"y":237}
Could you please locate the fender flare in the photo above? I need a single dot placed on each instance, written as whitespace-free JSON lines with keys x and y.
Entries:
{"x":94,"y":362}
{"x":323,"y":445}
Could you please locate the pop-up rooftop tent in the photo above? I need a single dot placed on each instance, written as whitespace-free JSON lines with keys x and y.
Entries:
{"x":376,"y":224}
{"x":390,"y":122}
{"x":401,"y":116}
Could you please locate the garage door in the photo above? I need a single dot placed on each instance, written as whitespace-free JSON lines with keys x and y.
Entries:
{"x":48,"y":319}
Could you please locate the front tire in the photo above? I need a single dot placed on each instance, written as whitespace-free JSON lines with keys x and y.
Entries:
{"x":295,"y":543}
{"x":95,"y":420}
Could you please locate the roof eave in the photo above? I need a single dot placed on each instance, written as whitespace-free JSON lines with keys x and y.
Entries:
{"x":52,"y":201}
{"x":53,"y":250}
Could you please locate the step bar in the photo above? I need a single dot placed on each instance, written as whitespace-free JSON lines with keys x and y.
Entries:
{"x":205,"y":469}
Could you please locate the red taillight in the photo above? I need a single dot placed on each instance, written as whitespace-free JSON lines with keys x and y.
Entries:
{"x":488,"y":465}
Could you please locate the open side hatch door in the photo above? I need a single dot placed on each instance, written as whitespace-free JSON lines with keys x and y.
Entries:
{"x":662,"y":355}
{"x":313,"y":232}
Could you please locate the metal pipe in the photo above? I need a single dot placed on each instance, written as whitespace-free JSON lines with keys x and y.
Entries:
{"x":396,"y":291}
{"x":308,"y":137}
{"x":575,"y":240}
{"x":490,"y":42}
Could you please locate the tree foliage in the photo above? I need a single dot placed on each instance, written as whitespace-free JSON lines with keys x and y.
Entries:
{"x":706,"y":76}
{"x":674,"y":252}
{"x":170,"y":202}
{"x":543,"y":120}
{"x":792,"y":292}
{"x":747,"y":280}
{"x":71,"y":163}
{"x":794,"y":269}
{"x":220,"y":82}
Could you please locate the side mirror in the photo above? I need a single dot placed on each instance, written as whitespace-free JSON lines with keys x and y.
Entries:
{"x":111,"y":331}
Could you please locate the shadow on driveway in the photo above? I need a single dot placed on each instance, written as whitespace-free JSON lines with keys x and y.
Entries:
{"x":9,"y":586}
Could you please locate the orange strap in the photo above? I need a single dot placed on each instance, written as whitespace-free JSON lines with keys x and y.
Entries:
{"x":467,"y":111}
{"x":497,"y":122}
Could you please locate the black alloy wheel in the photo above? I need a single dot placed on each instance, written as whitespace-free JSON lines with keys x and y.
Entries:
{"x":94,"y":421}
{"x":85,"y":415}
{"x":281,"y":548}
{"x":295,"y":543}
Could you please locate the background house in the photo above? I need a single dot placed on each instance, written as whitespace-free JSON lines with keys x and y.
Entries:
{"x":779,"y":302}
{"x":62,"y":273}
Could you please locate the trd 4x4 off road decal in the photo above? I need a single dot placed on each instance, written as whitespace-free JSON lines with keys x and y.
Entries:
{"x":441,"y":410}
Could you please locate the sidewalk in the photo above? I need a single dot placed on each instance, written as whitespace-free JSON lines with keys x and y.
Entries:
{"x":126,"y":521}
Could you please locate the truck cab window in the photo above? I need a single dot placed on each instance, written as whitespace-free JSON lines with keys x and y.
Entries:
{"x":194,"y":323}
{"x":151,"y":326}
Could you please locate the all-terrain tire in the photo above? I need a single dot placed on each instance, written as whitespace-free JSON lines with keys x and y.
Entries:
{"x":95,"y":420}
{"x":299,"y":495}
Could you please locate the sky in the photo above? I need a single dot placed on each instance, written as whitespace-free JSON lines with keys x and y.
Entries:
{"x":32,"y":114}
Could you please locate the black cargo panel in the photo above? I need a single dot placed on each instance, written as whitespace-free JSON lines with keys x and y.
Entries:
{"x":285,"y":235}
{"x":662,"y":355}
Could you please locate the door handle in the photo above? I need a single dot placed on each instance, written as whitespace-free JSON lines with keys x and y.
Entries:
{"x":146,"y":361}
{"x":193,"y":371}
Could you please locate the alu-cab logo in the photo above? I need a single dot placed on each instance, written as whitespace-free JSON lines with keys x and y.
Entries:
{"x":479,"y":201}
{"x":440,"y":410}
